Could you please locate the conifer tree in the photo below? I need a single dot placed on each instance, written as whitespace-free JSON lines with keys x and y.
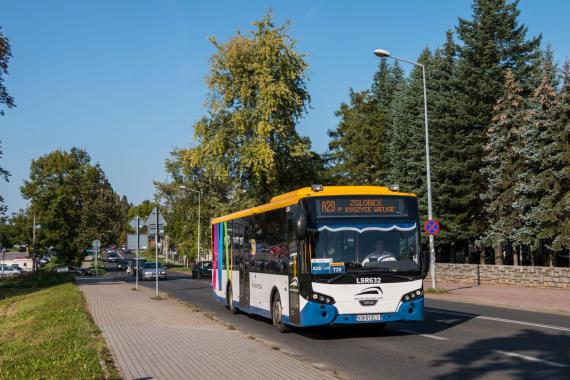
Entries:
{"x":559,"y":206}
{"x":358,"y":150}
{"x":492,"y":42}
{"x":501,"y":165}
{"x":448,"y":180}
{"x":407,"y":144}
{"x":536,"y":179}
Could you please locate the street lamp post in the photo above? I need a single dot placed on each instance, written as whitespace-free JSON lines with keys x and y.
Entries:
{"x":184,"y":188}
{"x":386,"y":54}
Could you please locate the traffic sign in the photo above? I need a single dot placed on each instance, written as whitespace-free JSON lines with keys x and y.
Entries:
{"x":137,"y":221}
{"x":96,"y":244}
{"x":431,"y":227}
{"x":151,"y":222}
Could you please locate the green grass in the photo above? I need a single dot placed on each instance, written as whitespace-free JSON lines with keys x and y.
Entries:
{"x":436,"y":291}
{"x":47,"y":333}
{"x":100,"y":267}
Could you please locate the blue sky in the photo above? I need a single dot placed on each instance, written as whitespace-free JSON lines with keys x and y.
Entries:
{"x":125,"y":79}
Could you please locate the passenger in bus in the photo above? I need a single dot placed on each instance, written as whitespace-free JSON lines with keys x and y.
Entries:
{"x":379,"y":254}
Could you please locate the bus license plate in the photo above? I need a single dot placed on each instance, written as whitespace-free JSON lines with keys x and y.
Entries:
{"x":368,"y":317}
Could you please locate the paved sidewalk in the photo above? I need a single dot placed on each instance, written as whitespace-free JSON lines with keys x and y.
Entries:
{"x":534,"y":299}
{"x":164,"y":339}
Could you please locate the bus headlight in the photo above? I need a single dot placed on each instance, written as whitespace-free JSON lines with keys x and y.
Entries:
{"x":322,"y":298}
{"x":413,"y":295}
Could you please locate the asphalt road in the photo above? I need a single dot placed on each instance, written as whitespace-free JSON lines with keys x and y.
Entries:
{"x":456,"y":340}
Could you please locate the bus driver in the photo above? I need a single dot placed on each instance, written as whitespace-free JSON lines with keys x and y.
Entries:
{"x":379,"y":254}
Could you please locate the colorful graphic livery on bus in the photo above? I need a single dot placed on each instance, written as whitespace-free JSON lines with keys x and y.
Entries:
{"x":323,"y":256}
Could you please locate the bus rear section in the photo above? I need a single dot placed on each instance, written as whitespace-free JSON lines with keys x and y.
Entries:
{"x":339,"y":256}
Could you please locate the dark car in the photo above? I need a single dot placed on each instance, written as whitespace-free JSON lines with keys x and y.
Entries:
{"x":122,"y":264}
{"x":84,"y":272}
{"x":134,"y":265}
{"x":202,"y":269}
{"x":112,"y":258}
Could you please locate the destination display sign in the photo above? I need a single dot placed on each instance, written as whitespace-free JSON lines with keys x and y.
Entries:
{"x":361,"y":206}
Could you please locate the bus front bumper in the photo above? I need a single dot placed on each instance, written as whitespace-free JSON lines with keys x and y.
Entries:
{"x":315,"y":314}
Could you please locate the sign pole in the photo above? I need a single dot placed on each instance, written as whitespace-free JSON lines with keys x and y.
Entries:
{"x":137,"y":256}
{"x":156,"y":251}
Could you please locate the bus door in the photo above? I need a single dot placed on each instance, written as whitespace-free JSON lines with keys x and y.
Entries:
{"x":294,"y":253}
{"x":244,"y":270}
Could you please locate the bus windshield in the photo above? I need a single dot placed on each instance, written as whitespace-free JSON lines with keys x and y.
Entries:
{"x":394,"y":249}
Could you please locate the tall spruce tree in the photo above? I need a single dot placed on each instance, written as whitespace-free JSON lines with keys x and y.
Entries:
{"x":449,"y":183}
{"x":559,"y":206}
{"x":407,"y":144}
{"x":536,"y":181}
{"x":491,"y":42}
{"x":501,"y":165}
{"x":355,"y":150}
{"x":358,"y":150}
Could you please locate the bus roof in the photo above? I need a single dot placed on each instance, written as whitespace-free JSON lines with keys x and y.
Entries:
{"x":293,"y":197}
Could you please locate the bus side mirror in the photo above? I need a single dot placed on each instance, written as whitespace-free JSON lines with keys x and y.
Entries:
{"x":299,"y":217}
{"x":425,"y":263}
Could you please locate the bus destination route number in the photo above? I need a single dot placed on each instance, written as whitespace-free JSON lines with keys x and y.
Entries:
{"x":360,"y":206}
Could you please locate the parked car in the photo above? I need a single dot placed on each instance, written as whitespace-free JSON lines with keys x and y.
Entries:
{"x":202,"y":269}
{"x":122,"y":264}
{"x":112,"y":258}
{"x":7,"y":272}
{"x":84,"y":272}
{"x":17,"y":267}
{"x":65,"y":269}
{"x":150,"y":270}
{"x":133,"y":265}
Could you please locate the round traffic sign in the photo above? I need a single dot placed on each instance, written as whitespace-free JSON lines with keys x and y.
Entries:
{"x":431,"y":227}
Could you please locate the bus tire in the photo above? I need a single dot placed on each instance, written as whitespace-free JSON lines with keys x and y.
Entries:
{"x":277,"y":314}
{"x":230,"y":303}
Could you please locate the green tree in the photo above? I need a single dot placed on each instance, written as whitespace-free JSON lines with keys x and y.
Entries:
{"x":537,"y":149}
{"x":502,"y":164}
{"x":447,"y":147}
{"x":7,"y":101}
{"x":5,"y":55}
{"x":492,"y":41}
{"x":407,"y":138}
{"x":73,"y":202}
{"x":557,"y":206}
{"x":358,"y":150}
{"x":248,"y":139}
{"x":355,"y":149}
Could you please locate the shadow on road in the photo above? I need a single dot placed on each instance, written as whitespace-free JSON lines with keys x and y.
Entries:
{"x":503,"y":354}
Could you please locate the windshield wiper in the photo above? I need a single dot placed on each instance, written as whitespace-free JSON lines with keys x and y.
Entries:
{"x":330,"y":280}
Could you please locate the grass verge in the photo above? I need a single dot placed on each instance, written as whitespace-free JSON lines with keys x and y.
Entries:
{"x":47,"y":332}
{"x":436,"y":291}
{"x":100,"y":268}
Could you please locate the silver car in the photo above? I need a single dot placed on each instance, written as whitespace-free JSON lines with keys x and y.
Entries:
{"x":150,"y":270}
{"x":7,"y":271}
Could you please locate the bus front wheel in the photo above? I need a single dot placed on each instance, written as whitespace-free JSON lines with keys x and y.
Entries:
{"x":277,"y":314}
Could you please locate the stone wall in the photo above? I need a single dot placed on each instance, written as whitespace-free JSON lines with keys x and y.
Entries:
{"x":535,"y":277}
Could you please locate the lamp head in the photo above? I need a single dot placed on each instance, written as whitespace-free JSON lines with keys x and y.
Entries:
{"x":382,"y":53}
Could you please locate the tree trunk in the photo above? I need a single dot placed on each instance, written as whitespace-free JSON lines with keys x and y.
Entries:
{"x":515,"y":256}
{"x":498,"y":255}
{"x":482,"y":256}
{"x":453,"y":254}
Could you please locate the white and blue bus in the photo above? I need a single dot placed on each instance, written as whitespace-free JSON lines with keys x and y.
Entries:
{"x":317,"y":256}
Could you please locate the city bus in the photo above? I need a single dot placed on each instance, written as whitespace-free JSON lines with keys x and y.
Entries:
{"x":323,"y":255}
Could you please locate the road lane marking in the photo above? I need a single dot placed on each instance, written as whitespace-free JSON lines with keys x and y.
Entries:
{"x":551,"y":327}
{"x":531,"y":359}
{"x":424,"y":335}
